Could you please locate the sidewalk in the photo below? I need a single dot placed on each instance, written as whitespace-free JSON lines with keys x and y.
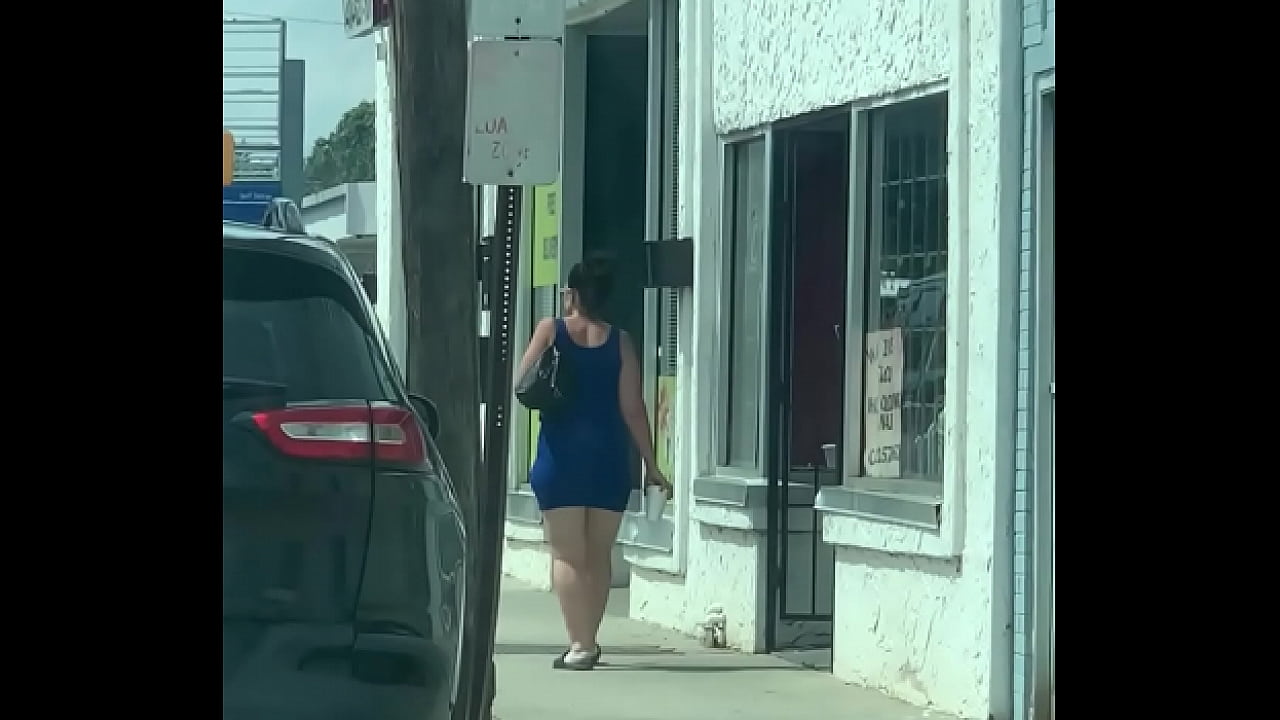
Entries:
{"x":648,"y":673}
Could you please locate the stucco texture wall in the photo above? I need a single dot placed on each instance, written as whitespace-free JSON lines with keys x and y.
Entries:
{"x":918,"y":628}
{"x":723,"y":570}
{"x":779,"y":58}
{"x":528,"y":561}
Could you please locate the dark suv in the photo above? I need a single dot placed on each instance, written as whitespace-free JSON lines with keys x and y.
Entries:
{"x":343,"y":564}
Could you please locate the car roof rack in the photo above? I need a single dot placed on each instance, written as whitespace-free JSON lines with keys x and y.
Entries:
{"x":283,"y":215}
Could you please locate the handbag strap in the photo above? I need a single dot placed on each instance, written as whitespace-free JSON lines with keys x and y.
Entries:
{"x":562,"y":331}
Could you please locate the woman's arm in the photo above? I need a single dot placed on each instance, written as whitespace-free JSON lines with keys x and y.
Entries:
{"x":634,"y":413}
{"x":544,"y":334}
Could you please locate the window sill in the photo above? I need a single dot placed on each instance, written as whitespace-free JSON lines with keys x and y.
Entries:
{"x":522,"y":507}
{"x":523,"y":532}
{"x":731,"y":502}
{"x":645,"y":543}
{"x":866,"y":516}
{"x":648,"y":544}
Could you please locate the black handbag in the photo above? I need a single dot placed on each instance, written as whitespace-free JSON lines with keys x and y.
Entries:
{"x":548,"y":384}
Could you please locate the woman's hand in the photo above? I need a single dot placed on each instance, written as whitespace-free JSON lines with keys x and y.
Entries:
{"x":654,"y":476}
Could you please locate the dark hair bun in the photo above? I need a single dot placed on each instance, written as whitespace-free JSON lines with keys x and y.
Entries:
{"x":598,"y":267}
{"x":593,"y":280}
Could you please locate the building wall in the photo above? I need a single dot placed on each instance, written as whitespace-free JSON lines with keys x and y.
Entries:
{"x":921,"y":625}
{"x":926,"y":629}
{"x":923,"y":621}
{"x":344,"y":210}
{"x":718,"y":552}
{"x":725,"y":571}
{"x":390,"y":305}
{"x":327,"y":219}
{"x":1039,"y":56}
{"x":801,"y":55}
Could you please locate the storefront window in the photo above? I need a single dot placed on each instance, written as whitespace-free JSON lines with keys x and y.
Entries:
{"x":743,"y":345}
{"x":906,"y":320}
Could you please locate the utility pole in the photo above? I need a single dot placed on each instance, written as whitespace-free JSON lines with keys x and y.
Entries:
{"x":429,"y":41}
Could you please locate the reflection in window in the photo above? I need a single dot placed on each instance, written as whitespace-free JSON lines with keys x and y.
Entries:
{"x":908,"y":268}
{"x":740,"y":436}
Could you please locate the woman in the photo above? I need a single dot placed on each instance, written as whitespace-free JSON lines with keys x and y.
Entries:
{"x":582,"y":474}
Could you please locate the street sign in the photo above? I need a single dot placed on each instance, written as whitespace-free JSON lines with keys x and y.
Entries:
{"x":247,"y":201}
{"x":499,"y":19}
{"x":513,"y":112}
{"x":228,"y":158}
{"x":361,"y":17}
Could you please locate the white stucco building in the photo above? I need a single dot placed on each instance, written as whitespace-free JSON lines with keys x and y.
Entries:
{"x":347,"y":214}
{"x":854,"y":398}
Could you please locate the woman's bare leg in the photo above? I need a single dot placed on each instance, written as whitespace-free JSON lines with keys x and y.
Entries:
{"x":602,"y":532}
{"x":570,"y":573}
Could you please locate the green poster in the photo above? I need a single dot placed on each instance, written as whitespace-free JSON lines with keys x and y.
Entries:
{"x":545,"y":253}
{"x":535,"y":424}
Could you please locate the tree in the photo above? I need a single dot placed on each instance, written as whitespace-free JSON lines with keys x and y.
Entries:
{"x":346,"y":155}
{"x":439,"y":258}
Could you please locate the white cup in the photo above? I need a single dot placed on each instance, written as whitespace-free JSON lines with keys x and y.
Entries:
{"x":829,"y":454}
{"x":655,"y":501}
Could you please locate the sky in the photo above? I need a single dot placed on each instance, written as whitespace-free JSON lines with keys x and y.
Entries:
{"x":339,"y":71}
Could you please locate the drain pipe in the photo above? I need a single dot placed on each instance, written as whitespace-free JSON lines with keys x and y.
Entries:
{"x":958,"y":309}
{"x":1009,"y":113}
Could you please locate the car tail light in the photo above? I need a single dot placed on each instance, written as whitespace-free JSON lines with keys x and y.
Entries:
{"x":343,"y":433}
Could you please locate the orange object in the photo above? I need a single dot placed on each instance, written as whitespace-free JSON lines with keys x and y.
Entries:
{"x":228,"y":158}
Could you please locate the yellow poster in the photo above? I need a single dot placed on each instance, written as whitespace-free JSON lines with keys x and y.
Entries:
{"x":664,"y":420}
{"x":535,"y":425}
{"x":545,"y":253}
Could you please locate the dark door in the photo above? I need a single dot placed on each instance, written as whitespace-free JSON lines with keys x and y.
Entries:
{"x":807,"y":307}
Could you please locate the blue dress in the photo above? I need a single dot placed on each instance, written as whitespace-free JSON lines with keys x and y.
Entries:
{"x":584,"y":450}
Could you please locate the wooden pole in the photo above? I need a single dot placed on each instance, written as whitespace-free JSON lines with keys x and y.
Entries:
{"x":429,"y":41}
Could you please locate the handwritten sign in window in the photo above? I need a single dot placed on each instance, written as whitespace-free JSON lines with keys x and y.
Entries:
{"x":882,"y":417}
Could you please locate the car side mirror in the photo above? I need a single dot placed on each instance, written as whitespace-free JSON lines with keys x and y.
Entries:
{"x":428,"y":412}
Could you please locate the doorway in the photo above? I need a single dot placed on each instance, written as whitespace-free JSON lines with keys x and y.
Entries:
{"x":809,"y":245}
{"x":614,"y":186}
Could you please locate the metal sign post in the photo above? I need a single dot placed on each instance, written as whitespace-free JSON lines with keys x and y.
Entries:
{"x":513,"y":127}
{"x":515,"y":73}
{"x":491,"y":506}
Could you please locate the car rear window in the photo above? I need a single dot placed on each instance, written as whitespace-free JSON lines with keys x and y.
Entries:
{"x":294,"y":323}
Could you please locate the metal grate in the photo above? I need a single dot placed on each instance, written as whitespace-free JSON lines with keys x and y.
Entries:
{"x":909,"y":253}
{"x":669,"y":317}
{"x":669,"y":298}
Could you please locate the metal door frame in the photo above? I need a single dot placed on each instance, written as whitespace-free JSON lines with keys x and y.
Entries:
{"x":784,"y":629}
{"x":1044,"y":609}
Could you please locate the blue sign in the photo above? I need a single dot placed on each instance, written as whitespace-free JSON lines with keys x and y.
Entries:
{"x":247,"y":201}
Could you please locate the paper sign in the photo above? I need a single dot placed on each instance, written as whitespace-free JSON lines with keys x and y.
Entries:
{"x":882,"y":415}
